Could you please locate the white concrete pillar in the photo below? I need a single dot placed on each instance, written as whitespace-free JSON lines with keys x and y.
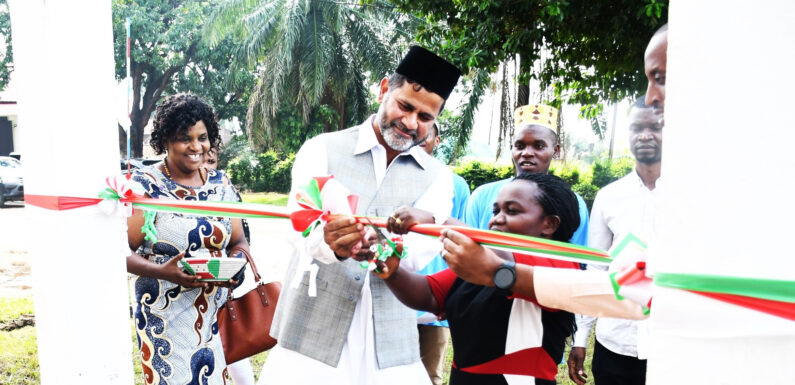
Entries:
{"x":727,"y":180}
{"x":64,"y":67}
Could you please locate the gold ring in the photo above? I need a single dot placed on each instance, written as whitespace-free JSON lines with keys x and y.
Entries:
{"x":398,"y":221}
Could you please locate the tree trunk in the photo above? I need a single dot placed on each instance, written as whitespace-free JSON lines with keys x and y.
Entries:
{"x":561,"y":138}
{"x":144,"y":104}
{"x":122,"y":141}
{"x":139,"y":122}
{"x":523,"y":89}
{"x":612,"y":133}
{"x":506,"y":113}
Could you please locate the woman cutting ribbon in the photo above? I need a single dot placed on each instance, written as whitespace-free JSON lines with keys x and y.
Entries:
{"x":495,"y":334}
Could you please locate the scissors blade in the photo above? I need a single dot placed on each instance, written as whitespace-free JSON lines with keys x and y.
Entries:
{"x":378,"y":232}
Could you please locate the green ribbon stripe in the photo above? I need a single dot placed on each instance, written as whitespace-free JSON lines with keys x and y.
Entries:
{"x":774,"y":290}
{"x":108,"y":193}
{"x":572,"y":255}
{"x":548,"y":242}
{"x":201,"y":212}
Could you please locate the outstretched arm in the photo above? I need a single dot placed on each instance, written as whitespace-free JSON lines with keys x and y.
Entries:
{"x":413,"y":290}
{"x":576,"y":291}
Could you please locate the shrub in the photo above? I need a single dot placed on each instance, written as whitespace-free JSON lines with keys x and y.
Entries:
{"x":282,"y":176}
{"x":587,"y":191}
{"x":231,"y":149}
{"x":569,"y":172}
{"x":263,"y":170}
{"x":268,"y":171}
{"x":477,"y":173}
{"x":606,"y":172}
{"x":239,"y":170}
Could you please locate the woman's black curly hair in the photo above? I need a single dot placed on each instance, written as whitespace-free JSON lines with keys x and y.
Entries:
{"x":176,"y":114}
{"x":556,"y":198}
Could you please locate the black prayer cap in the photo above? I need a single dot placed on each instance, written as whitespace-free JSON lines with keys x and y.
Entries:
{"x":430,"y":71}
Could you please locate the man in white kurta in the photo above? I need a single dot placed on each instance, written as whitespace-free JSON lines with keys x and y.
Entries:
{"x":360,"y":338}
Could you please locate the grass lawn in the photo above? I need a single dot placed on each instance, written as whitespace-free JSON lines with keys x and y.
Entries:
{"x":268,"y":198}
{"x":19,"y":364}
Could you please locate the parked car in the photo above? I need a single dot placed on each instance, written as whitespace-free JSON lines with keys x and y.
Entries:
{"x":136,"y":163}
{"x":11,"y":188}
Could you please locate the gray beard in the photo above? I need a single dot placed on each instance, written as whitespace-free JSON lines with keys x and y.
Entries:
{"x":392,"y":138}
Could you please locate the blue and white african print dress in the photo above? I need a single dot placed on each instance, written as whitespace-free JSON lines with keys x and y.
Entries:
{"x":177,"y":327}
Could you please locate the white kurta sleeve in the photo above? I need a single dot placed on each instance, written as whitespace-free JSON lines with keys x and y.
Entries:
{"x":310,"y":161}
{"x":438,"y":199}
{"x":581,"y":292}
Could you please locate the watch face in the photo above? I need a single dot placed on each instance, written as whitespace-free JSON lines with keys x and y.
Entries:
{"x":503,"y":278}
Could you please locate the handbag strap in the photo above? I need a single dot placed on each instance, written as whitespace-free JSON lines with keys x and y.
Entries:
{"x":260,"y":286}
{"x":249,"y":259}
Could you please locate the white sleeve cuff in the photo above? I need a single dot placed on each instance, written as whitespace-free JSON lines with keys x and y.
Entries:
{"x":584,"y":325}
{"x":581,"y":292}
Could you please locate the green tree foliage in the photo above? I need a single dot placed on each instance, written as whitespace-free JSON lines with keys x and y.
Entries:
{"x":593,"y":48}
{"x":606,"y":172}
{"x":269,"y":171}
{"x":587,"y":180}
{"x":168,"y":56}
{"x":6,"y":55}
{"x":589,"y":51}
{"x":478,"y":173}
{"x":310,"y":53}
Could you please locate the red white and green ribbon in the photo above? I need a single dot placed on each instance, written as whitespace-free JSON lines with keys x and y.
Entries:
{"x":628,"y":272}
{"x":633,"y":284}
{"x":519,"y":243}
{"x":775,"y":297}
{"x":772,"y":297}
{"x":312,"y":212}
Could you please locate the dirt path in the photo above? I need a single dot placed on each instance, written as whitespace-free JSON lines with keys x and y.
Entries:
{"x":15,"y":279}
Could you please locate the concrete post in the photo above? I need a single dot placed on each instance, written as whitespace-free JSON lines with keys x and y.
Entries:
{"x":64,"y":64}
{"x":726,"y":180}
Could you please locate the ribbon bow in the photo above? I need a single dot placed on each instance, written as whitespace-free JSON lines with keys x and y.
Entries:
{"x":318,"y":200}
{"x":115,"y":197}
{"x":628,"y":276}
{"x":632,"y":283}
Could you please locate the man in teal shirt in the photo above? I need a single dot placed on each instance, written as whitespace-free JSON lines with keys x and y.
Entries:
{"x":533,"y":146}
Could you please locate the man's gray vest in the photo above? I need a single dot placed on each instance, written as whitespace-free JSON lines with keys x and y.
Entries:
{"x":317,"y":327}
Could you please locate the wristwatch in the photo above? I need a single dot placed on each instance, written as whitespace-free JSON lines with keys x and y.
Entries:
{"x":505,"y":277}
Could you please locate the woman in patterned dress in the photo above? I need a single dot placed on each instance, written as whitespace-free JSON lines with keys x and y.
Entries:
{"x":175,"y":315}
